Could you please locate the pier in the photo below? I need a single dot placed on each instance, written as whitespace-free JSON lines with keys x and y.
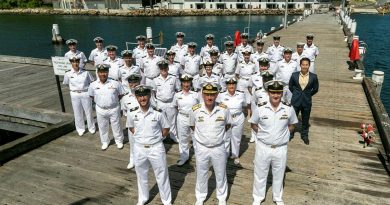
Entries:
{"x":333,"y":169}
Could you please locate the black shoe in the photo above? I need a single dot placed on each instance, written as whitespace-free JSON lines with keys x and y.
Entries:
{"x":306,"y":140}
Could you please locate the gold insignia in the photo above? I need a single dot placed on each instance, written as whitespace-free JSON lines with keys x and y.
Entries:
{"x":209,"y":87}
{"x":261,"y":104}
{"x":195,"y":107}
{"x":134,"y":109}
{"x":222,"y":105}
{"x":220,"y":118}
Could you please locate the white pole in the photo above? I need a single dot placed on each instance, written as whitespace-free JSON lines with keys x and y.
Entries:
{"x":285,"y":16}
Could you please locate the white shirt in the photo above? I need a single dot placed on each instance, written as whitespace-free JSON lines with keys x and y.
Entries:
{"x":256,"y":56}
{"x":245,"y":70}
{"x":180,"y":51}
{"x":234,"y":102}
{"x":79,"y":55}
{"x":165,"y":88}
{"x":273,"y":125}
{"x":218,"y":69}
{"x":296,"y":57}
{"x":284,"y":70}
{"x":147,"y":125}
{"x":150,"y":67}
{"x":210,"y":127}
{"x":114,"y":72}
{"x":240,"y":48}
{"x":175,"y":69}
{"x":78,"y":81}
{"x":311,"y":51}
{"x":185,"y":101}
{"x":259,"y":95}
{"x":204,"y":51}
{"x":98,"y":56}
{"x":126,"y":72}
{"x":106,"y":95}
{"x":274,"y":53}
{"x":191,"y":64}
{"x":208,"y":79}
{"x":128,"y":101}
{"x":229,"y":62}
{"x":138,"y":53}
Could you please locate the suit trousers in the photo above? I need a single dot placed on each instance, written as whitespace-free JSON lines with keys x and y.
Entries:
{"x":305,"y":113}
{"x":82,"y":103}
{"x":155,"y":156}
{"x":265,"y":156}
{"x":217,"y":156}
{"x":106,"y":116}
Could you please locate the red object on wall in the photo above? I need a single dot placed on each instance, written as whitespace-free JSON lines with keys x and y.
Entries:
{"x":354,"y":52}
{"x":237,"y":38}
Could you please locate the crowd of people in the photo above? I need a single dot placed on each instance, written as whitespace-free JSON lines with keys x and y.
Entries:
{"x":201,"y":100}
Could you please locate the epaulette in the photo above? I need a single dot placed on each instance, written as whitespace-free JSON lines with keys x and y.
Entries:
{"x":134,"y":109}
{"x":222,"y":105}
{"x":259,"y":88}
{"x":286,"y":103}
{"x":158,"y":110}
{"x":186,"y":54}
{"x":261,"y":104}
{"x":143,"y":56}
{"x":176,"y":62}
{"x":195,"y":107}
{"x":214,"y":73}
{"x":240,"y":91}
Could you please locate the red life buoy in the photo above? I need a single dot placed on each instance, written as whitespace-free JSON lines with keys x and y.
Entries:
{"x":237,"y":38}
{"x":354,"y":52}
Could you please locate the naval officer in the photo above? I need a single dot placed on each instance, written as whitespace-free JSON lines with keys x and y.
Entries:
{"x":275,"y":53}
{"x":210,"y":121}
{"x":149,"y":127}
{"x":284,"y":69}
{"x":255,"y":57}
{"x":175,"y":68}
{"x":191,"y":61}
{"x":139,"y":51}
{"x":114,"y":62}
{"x":73,"y":52}
{"x":183,"y":102}
{"x":79,"y":81}
{"x":179,"y":48}
{"x":107,"y":93}
{"x":229,"y":59}
{"x":243,"y":46}
{"x":99,"y":53}
{"x":311,"y":51}
{"x":128,"y":68}
{"x":272,"y":121}
{"x":204,"y":51}
{"x":149,"y":65}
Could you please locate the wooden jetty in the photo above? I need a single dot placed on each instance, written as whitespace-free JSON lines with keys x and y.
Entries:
{"x":333,"y":169}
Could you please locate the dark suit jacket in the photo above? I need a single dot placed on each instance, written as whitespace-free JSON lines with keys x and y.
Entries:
{"x":303,"y":97}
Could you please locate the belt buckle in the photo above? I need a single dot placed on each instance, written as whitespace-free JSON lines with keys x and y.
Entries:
{"x":233,"y":116}
{"x":273,"y":146}
{"x":147,"y":146}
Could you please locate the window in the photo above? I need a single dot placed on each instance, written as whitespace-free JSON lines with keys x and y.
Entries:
{"x":211,"y":6}
{"x":231,"y":6}
{"x":191,"y":6}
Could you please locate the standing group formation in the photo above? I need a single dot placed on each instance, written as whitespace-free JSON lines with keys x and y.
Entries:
{"x":200,"y":98}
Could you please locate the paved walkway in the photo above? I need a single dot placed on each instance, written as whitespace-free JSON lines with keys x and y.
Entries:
{"x":333,"y":169}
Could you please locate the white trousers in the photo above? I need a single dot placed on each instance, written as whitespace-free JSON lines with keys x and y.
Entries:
{"x":264,"y":157}
{"x":272,"y":67}
{"x":82,"y":103}
{"x":131,"y":142}
{"x":153,"y":156}
{"x":312,"y":68}
{"x":171,"y":113}
{"x":184,"y":135}
{"x":235,"y":133}
{"x":287,"y":95}
{"x":106,"y":116}
{"x":217,"y":156}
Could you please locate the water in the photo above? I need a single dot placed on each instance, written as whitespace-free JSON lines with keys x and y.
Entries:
{"x":30,"y":35}
{"x":374,"y":30}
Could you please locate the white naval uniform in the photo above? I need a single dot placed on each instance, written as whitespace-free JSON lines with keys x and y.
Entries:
{"x":204,"y":51}
{"x":78,"y":54}
{"x":180,"y":51}
{"x":138,"y":53}
{"x":128,"y":102}
{"x":234,"y":103}
{"x":213,"y":78}
{"x":184,"y":102}
{"x":271,"y":148}
{"x":275,"y":54}
{"x":283,"y":72}
{"x":191,"y":64}
{"x":311,"y":52}
{"x":114,"y":72}
{"x":256,"y":56}
{"x":81,"y":102}
{"x":175,"y":69}
{"x":126,"y":72}
{"x":150,"y":151}
{"x":297,"y":58}
{"x":106,"y":97}
{"x":209,"y":135}
{"x":165,"y":90}
{"x":240,"y":48}
{"x":229,"y":62}
{"x":98,"y":56}
{"x":150,"y":68}
{"x":244,"y":71}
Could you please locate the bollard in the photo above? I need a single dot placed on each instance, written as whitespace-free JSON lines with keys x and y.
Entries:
{"x":378,"y":77}
{"x":272,"y":28}
{"x":358,"y":74}
{"x":149,"y":35}
{"x":56,"y":37}
{"x":353,"y":27}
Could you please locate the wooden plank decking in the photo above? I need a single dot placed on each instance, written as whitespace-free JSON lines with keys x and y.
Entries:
{"x":333,"y":169}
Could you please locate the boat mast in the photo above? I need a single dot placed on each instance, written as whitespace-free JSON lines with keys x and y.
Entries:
{"x":249,"y":20}
{"x":285,"y":15}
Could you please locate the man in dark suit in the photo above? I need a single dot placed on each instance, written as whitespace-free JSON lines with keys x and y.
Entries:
{"x":303,"y":85}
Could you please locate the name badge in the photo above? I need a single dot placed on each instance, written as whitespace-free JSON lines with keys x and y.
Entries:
{"x":200,"y":119}
{"x":220,"y":118}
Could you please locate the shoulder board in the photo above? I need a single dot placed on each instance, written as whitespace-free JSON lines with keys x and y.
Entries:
{"x":134,"y":109}
{"x":195,"y":107}
{"x":240,"y":91}
{"x":158,"y":110}
{"x":222,"y":105}
{"x":176,"y":61}
{"x":259,"y":88}
{"x":186,"y":54}
{"x":214,"y":73}
{"x":261,"y":104}
{"x":143,"y":56}
{"x":286,"y":103}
